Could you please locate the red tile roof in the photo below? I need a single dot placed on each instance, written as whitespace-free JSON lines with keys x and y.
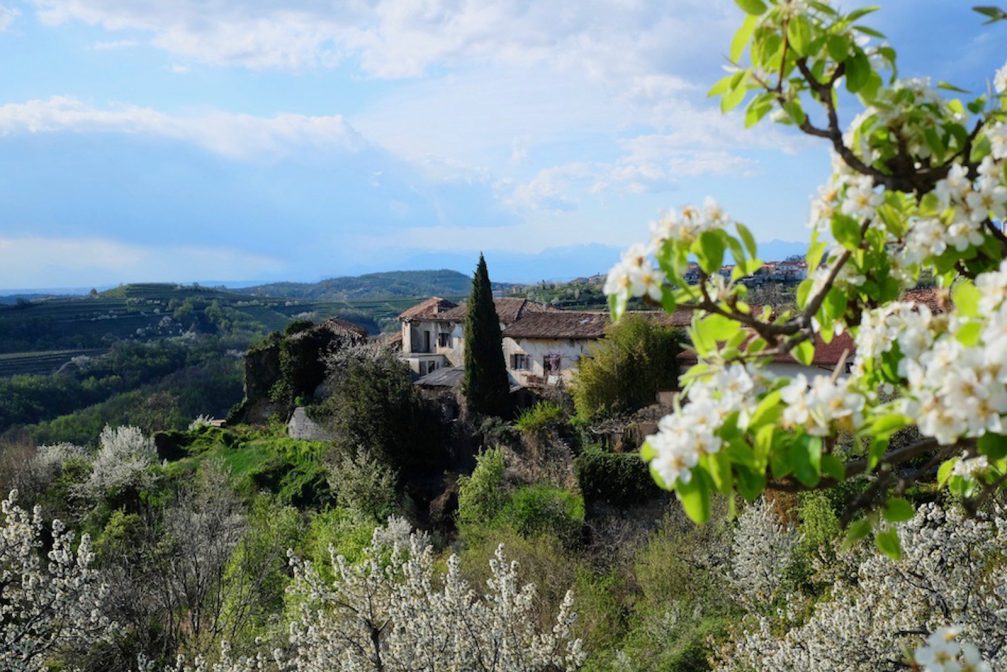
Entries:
{"x":432,"y":308}
{"x":559,"y":324}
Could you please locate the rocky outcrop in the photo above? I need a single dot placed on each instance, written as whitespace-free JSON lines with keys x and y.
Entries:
{"x":303,"y":427}
{"x":289,"y":366}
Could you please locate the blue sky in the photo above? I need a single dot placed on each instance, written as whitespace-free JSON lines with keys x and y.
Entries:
{"x":302,"y":139}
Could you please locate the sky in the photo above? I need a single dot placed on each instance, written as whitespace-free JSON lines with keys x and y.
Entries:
{"x":218,"y":140}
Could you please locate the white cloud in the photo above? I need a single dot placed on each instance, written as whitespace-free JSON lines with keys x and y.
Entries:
{"x":114,"y":45}
{"x":401,"y":38}
{"x":237,"y":136}
{"x":7,"y":16}
{"x":32,"y":261}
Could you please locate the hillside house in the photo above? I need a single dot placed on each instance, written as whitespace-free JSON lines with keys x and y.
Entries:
{"x":433,"y":332}
{"x":542,"y":345}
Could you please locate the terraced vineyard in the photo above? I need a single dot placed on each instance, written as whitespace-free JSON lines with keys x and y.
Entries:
{"x":41,"y":363}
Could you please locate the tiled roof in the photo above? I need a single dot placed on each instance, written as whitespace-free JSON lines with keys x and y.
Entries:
{"x":583,"y":324}
{"x":935,"y":299}
{"x":509,"y":309}
{"x":559,"y":324}
{"x":431,"y":309}
{"x":447,"y":376}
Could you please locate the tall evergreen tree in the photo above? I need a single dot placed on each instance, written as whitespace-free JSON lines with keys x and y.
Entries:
{"x":486,"y":385}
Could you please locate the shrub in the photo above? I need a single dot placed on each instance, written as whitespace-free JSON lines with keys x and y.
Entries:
{"x":364,"y":484}
{"x":540,"y":418}
{"x":615,"y":479}
{"x":375,"y":407}
{"x":544,"y":509}
{"x":625,"y":370}
{"x":481,"y":496}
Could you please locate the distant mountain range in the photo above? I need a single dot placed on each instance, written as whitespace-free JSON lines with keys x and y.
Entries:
{"x":390,"y":285}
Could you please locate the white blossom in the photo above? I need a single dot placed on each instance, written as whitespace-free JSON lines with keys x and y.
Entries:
{"x":123,"y":461}
{"x":44,"y":606}
{"x":951,"y":572}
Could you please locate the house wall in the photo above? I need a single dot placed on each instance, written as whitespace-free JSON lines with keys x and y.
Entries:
{"x":569,"y":350}
{"x":413,"y":340}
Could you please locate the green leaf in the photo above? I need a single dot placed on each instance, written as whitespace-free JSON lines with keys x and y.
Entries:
{"x":695,"y":496}
{"x":616,"y":307}
{"x":846,"y":231}
{"x":838,"y":47}
{"x":869,"y":31}
{"x":857,"y":530}
{"x":722,"y":86}
{"x":945,"y":471}
{"x":994,"y":446}
{"x":747,"y":238}
{"x":806,"y":456}
{"x":754,"y":7}
{"x":804,"y":352}
{"x":898,"y":510}
{"x":668,"y":302}
{"x":647,"y":452}
{"x":735,"y":96}
{"x":750,"y":483}
{"x":968,"y":333}
{"x":795,"y":111}
{"x":768,"y":411}
{"x":950,"y":87}
{"x":886,"y":425}
{"x":858,"y":13}
{"x":833,"y":467}
{"x":966,"y":298}
{"x":758,"y":108}
{"x":858,"y":71}
{"x":803,"y":289}
{"x":799,"y":34}
{"x":835,"y":303}
{"x":710,"y":251}
{"x":888,"y":543}
{"x":742,"y":36}
{"x":994,"y":14}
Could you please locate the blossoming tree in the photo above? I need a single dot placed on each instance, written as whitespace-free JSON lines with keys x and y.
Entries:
{"x":918,"y":186}
{"x":48,"y":602}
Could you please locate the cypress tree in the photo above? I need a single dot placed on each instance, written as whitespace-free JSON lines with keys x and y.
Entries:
{"x":486,"y":386}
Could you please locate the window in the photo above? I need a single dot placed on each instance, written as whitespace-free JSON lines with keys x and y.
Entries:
{"x":428,"y":367}
{"x":551,"y":364}
{"x":444,"y":340}
{"x":520,"y":362}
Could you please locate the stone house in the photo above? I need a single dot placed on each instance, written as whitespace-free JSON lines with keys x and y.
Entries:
{"x":433,"y":332}
{"x":542,"y":345}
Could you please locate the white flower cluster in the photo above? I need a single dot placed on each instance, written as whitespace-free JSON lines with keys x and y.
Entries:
{"x":684,"y":436}
{"x":951,"y":571}
{"x":635,"y":274}
{"x":899,"y":322}
{"x":123,"y":461}
{"x":953,"y":390}
{"x":1000,"y":80}
{"x":391,"y":613}
{"x":822,"y":405}
{"x":44,"y":606}
{"x":943,"y":652}
{"x":972,"y":201}
{"x":760,"y":554}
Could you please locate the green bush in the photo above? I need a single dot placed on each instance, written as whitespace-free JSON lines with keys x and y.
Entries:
{"x":481,"y":496}
{"x":615,"y":479}
{"x":626,"y":369}
{"x":545,"y":509}
{"x":540,"y":418}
